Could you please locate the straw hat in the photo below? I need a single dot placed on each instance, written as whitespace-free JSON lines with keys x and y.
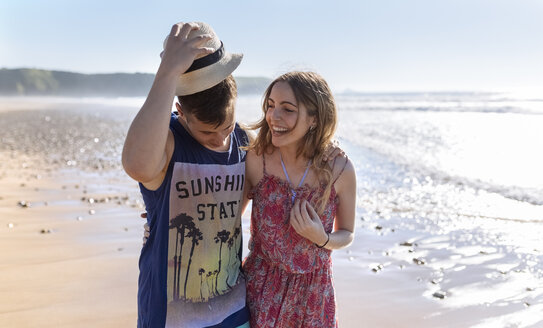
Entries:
{"x":206,"y":70}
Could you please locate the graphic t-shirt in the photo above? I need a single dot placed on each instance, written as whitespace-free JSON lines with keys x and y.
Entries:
{"x":190,"y":266}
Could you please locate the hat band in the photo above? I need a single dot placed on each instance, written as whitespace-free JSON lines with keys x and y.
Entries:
{"x":207,"y":60}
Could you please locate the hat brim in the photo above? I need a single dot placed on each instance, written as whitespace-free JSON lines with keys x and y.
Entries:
{"x":207,"y":77}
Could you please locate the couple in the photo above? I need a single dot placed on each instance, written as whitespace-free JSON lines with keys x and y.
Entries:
{"x":197,"y":170}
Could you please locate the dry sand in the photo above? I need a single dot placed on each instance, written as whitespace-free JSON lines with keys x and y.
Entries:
{"x":67,"y":262}
{"x":70,"y":231}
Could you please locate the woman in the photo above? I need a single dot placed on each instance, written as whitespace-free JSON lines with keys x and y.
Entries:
{"x":302,"y":209}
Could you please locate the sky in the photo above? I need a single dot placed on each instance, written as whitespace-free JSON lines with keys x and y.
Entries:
{"x":379,"y":45}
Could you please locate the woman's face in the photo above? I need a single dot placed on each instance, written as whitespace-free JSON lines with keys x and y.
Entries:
{"x":288,"y":121}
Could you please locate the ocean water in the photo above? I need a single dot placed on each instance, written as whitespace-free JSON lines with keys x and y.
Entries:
{"x":489,"y":142}
{"x":466,"y":166}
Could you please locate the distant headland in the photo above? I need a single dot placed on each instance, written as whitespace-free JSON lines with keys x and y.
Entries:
{"x":39,"y":82}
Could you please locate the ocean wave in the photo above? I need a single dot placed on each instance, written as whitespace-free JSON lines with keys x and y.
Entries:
{"x":532,"y":196}
{"x":455,"y":102}
{"x":426,"y":171}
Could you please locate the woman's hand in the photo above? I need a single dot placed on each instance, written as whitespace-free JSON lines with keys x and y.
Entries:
{"x":307,"y":223}
{"x":146,"y":229}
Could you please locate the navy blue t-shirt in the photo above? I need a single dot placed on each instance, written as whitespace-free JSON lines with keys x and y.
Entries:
{"x":190,"y":264}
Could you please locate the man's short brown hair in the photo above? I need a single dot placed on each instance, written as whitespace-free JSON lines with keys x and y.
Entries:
{"x":214,"y":105}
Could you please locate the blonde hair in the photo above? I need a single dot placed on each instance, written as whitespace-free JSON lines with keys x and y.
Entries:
{"x":311,"y":90}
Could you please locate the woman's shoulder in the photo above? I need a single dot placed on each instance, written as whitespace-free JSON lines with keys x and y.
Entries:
{"x":260,"y":156}
{"x":339,"y":164}
{"x":253,"y":157}
{"x":343,"y":172}
{"x":254,"y":167}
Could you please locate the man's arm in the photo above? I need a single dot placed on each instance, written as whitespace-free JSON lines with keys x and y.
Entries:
{"x":149,"y":143}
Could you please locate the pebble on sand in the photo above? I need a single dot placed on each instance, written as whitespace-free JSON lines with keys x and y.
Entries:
{"x":377,"y":268}
{"x":439,"y":294}
{"x":23,"y":204}
{"x":419,"y":261}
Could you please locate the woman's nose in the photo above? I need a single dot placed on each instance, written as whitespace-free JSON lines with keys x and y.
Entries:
{"x":275,"y":114}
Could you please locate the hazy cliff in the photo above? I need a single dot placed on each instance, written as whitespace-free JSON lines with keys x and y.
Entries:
{"x":34,"y":82}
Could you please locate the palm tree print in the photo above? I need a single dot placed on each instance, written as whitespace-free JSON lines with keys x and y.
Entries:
{"x":208,"y":276}
{"x":201,"y":273}
{"x":216,"y":275}
{"x":231,"y":242}
{"x":196,"y":236}
{"x":222,"y":237}
{"x":181,"y":222}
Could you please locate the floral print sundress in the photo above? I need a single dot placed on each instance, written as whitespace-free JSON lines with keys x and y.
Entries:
{"x":289,"y":279}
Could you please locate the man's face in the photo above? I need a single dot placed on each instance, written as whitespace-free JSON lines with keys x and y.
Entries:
{"x":216,"y":138}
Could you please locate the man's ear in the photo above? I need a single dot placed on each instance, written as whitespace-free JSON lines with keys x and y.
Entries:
{"x":180,"y":111}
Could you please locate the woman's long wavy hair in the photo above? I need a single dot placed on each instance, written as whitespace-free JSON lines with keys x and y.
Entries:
{"x":311,"y":90}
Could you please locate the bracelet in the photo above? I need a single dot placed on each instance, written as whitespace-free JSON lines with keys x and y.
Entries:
{"x":327,"y":240}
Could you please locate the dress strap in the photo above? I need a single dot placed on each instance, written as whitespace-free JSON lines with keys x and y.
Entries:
{"x":264,"y":162}
{"x":342,"y":169}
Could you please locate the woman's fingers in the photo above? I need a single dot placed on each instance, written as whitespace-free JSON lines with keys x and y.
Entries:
{"x":311,"y":212}
{"x":294,"y":220}
{"x":304,"y":212}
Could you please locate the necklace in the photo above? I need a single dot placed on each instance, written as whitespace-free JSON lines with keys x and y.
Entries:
{"x":288,"y":179}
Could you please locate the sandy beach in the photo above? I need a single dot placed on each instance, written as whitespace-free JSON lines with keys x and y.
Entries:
{"x":69,"y":228}
{"x":70,"y":251}
{"x":70,"y":235}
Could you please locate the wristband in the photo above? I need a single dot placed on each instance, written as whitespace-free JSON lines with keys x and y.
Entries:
{"x":327,"y":240}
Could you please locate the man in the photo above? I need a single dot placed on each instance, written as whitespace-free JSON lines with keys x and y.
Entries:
{"x":191,"y":174}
